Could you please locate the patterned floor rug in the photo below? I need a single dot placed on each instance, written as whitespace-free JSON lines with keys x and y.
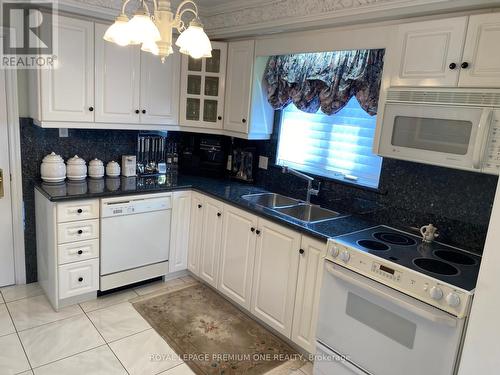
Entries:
{"x":211,"y":335}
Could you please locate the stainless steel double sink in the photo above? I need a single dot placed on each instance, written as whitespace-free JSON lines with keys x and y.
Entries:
{"x":295,"y":208}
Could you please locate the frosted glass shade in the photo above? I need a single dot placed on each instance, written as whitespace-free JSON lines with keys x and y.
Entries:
{"x":194,"y":42}
{"x":143,"y":30}
{"x":151,"y":47}
{"x":118,"y":32}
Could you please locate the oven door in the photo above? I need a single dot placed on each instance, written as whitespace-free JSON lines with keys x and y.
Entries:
{"x":383,"y":331}
{"x":441,"y":135}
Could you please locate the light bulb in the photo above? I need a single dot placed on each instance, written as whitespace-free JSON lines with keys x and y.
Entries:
{"x":119,"y":31}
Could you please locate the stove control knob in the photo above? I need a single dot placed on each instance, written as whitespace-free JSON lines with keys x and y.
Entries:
{"x":345,"y":256}
{"x":436,"y":293}
{"x":334,"y":251}
{"x":452,"y":299}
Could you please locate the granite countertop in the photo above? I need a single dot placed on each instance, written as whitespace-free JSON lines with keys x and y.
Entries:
{"x":225,"y":190}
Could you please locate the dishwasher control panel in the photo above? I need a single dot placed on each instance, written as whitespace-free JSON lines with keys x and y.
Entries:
{"x":115,"y":207}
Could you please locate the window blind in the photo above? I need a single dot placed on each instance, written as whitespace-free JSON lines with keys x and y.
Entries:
{"x":337,"y":146}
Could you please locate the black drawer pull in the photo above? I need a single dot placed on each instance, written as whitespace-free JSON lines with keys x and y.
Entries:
{"x":80,"y":279}
{"x":252,"y":229}
{"x":200,"y":206}
{"x":465,"y":65}
{"x":219,"y":214}
{"x":453,"y":66}
{"x":80,"y":231}
{"x":258,"y":232}
{"x":137,"y":111}
{"x":301,"y":251}
{"x":80,"y":252}
{"x":79,"y":210}
{"x":91,"y":109}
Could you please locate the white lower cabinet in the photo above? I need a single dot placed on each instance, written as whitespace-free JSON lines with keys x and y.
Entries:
{"x":179,"y":237}
{"x":78,"y":278}
{"x":237,"y":255}
{"x":275,"y":275}
{"x":195,"y":233}
{"x":311,"y":263}
{"x":211,"y":234}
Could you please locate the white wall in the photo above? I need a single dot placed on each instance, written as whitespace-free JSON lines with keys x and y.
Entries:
{"x":481,"y":354}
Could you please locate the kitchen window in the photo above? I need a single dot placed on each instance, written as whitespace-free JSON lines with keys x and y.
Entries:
{"x":335,"y":146}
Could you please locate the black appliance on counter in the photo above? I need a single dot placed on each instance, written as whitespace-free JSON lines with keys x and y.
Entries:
{"x":203,"y":156}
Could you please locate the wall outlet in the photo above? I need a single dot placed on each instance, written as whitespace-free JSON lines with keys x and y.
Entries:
{"x":63,"y":133}
{"x":263,"y":162}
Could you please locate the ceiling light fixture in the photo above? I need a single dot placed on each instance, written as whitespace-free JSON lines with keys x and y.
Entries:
{"x":154,"y":32}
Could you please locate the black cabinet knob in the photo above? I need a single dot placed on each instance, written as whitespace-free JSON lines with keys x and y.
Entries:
{"x":79,"y":210}
{"x":252,"y":229}
{"x":244,"y":120}
{"x":219,"y":214}
{"x":80,"y":231}
{"x":80,"y":279}
{"x":137,"y":111}
{"x":200,"y":206}
{"x":144,"y":111}
{"x":91,"y":109}
{"x":301,"y":251}
{"x":465,"y":65}
{"x":219,"y":118}
{"x":258,"y":232}
{"x":453,"y":66}
{"x":80,"y":252}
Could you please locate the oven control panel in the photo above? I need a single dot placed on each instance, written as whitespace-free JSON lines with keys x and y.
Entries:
{"x":418,"y":285}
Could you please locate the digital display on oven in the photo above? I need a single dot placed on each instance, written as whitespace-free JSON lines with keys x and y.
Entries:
{"x":387,"y":269}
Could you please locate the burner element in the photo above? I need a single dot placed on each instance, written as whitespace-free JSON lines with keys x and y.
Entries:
{"x":395,"y":238}
{"x":373,"y":245}
{"x":436,"y":266}
{"x":455,"y":257}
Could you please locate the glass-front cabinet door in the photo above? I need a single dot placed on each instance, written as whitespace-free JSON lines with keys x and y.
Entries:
{"x":202,"y":89}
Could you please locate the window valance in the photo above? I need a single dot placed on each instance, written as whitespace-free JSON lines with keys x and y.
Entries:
{"x":326,"y":80}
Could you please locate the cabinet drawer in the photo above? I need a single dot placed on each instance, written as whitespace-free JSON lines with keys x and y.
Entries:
{"x":79,"y":210}
{"x":77,"y":251}
{"x":78,"y":278}
{"x":77,"y":231}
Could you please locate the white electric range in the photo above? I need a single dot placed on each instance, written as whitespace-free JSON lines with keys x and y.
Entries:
{"x":392,"y":304}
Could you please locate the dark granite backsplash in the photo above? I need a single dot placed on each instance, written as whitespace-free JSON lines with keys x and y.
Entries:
{"x":410,"y":194}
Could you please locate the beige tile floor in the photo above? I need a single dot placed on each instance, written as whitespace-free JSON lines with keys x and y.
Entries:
{"x":105,"y":336}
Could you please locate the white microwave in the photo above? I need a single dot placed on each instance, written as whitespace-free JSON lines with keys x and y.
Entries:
{"x":450,"y":128}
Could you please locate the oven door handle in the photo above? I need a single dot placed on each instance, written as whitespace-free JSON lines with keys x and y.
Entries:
{"x":482,"y":133}
{"x":416,"y":307}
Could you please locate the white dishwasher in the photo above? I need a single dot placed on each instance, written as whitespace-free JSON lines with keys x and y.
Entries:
{"x":135,"y":239}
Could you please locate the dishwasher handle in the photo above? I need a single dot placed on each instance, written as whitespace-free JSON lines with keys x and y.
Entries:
{"x":416,"y":307}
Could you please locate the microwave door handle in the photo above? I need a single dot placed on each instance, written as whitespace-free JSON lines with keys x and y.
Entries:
{"x":482,"y":133}
{"x":391,"y":296}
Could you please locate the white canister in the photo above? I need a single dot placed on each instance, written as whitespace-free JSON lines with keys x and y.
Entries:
{"x":96,"y":169}
{"x":53,"y":168}
{"x":113,"y":169}
{"x":76,"y":168}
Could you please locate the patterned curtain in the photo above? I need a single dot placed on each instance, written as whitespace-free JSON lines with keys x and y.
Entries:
{"x":326,"y":80}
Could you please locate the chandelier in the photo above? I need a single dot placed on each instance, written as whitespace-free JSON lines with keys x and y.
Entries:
{"x":154,"y":31}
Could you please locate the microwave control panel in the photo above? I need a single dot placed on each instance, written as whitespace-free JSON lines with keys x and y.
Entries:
{"x":492,"y":152}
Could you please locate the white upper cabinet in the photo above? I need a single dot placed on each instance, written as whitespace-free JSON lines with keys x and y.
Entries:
{"x":275,"y":275}
{"x":239,"y":85}
{"x":237,"y":255}
{"x":481,"y":53}
{"x":247,"y":113}
{"x":117,"y":82}
{"x":427,"y":52}
{"x":66,"y":91}
{"x":202,"y":89}
{"x":160,"y":89}
{"x":454,"y":52}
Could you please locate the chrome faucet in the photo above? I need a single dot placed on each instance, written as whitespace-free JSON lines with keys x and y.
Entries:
{"x":309,"y":179}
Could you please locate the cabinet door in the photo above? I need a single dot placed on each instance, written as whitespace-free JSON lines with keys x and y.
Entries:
{"x":117,"y":84}
{"x":237,"y":255}
{"x":425,"y":51}
{"x":305,"y":314}
{"x":275,"y":275}
{"x":67,"y":89}
{"x":195,"y":232}
{"x":211,"y":240}
{"x":240,"y":61}
{"x":202,"y":89}
{"x":160,"y":89}
{"x":481,"y":52}
{"x":179,"y":238}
